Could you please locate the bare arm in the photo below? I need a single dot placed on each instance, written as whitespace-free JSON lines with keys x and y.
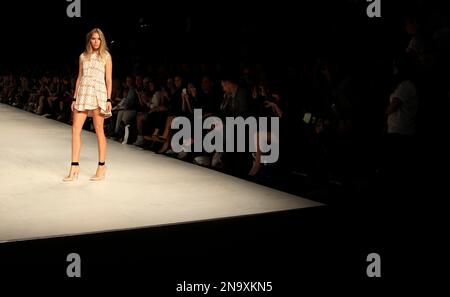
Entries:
{"x":394,"y":105}
{"x":108,"y":76}
{"x":277,"y":110}
{"x":142,"y":101}
{"x":80,"y":74}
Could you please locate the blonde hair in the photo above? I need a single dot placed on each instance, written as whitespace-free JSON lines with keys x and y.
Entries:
{"x":103,"y":51}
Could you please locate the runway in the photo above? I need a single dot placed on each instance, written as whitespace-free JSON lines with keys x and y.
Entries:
{"x":141,"y":189}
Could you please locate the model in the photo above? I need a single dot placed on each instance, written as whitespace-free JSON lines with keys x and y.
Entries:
{"x":92,"y":99}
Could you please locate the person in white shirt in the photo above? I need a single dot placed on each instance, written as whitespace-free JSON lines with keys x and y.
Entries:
{"x":399,"y":154}
{"x":402,"y":109}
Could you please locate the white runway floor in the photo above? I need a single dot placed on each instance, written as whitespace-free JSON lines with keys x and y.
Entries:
{"x":141,"y":189}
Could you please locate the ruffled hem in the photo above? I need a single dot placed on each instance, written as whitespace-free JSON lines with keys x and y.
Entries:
{"x":90,"y":114}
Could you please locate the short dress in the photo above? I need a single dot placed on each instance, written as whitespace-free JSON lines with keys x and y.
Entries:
{"x":92,"y":87}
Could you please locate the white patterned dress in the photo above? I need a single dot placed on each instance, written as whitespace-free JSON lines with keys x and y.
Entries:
{"x":91,"y":93}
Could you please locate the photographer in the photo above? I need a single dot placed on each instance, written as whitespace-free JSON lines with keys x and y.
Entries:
{"x":266,"y":104}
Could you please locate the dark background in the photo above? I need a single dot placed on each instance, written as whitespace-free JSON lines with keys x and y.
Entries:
{"x":276,"y":33}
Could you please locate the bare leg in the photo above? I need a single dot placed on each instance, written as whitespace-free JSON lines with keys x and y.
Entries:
{"x":98,"y":120}
{"x":257,"y":162}
{"x":167,"y":128}
{"x":77,"y":126}
{"x":40,"y":108}
{"x":266,"y":137}
{"x":78,"y":121}
{"x":139,"y":122}
{"x":165,"y":135}
{"x":154,"y":136}
{"x":165,"y":146}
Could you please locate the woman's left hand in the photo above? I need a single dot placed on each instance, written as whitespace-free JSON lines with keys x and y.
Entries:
{"x":268,"y":104}
{"x":108,"y":106}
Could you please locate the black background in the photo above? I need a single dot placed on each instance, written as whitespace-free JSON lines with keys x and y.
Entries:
{"x":292,"y":249}
{"x":274,"y":31}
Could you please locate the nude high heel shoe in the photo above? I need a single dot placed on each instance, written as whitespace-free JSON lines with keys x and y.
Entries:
{"x":99,"y":177}
{"x":73,"y":175}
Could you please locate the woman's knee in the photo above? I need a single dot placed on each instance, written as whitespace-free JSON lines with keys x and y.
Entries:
{"x":98,"y":127}
{"x":76,"y":130}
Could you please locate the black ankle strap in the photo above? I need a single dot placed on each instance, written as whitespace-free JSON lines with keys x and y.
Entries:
{"x":101,"y":163}
{"x":75,"y":164}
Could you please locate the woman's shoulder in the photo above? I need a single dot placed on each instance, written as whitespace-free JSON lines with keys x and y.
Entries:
{"x":105,"y":56}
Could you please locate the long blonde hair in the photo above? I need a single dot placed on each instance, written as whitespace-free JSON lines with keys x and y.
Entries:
{"x":103,"y":51}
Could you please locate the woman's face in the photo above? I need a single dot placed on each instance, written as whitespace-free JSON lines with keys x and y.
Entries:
{"x":178,"y":82}
{"x":191,"y":88}
{"x":95,"y":41}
